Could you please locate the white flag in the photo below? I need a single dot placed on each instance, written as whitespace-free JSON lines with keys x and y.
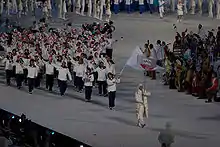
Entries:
{"x":133,"y":61}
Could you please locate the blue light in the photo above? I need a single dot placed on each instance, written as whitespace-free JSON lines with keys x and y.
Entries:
{"x":52,"y":133}
{"x":13,"y":117}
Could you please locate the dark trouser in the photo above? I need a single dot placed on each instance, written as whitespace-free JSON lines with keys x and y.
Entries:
{"x":74,"y":78}
{"x":159,"y":63}
{"x":13,"y":72}
{"x":25,"y":75}
{"x":109,"y":52}
{"x":165,"y":145}
{"x":49,"y":81}
{"x":63,"y":86}
{"x":111,"y":98}
{"x":202,"y":92}
{"x":172,"y":83}
{"x":188,"y":87}
{"x":153,"y":74}
{"x":79,"y":83}
{"x":211,"y":95}
{"x":8,"y":76}
{"x":95,"y":78}
{"x":31,"y":84}
{"x":19,"y":79}
{"x":102,"y":87}
{"x":88,"y":92}
{"x":38,"y":80}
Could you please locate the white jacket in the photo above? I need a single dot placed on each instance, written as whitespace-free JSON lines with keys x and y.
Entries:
{"x":63,"y":73}
{"x":112,"y":84}
{"x":18,"y":68}
{"x":88,"y":80}
{"x":26,"y":62}
{"x":80,"y":70}
{"x":8,"y":64}
{"x":141,"y":97}
{"x":101,"y":74}
{"x":32,"y":72}
{"x":49,"y":68}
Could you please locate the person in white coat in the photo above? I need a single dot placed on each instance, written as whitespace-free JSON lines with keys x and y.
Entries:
{"x":1,"y":7}
{"x":8,"y":69}
{"x":20,"y":8}
{"x":102,"y":3}
{"x":111,"y":82}
{"x":185,"y":6}
{"x":102,"y":85}
{"x":14,"y":6}
{"x":89,"y":8}
{"x":193,"y":7}
{"x":19,"y":72}
{"x":60,"y":8}
{"x":161,"y":8}
{"x":108,"y":12}
{"x":78,"y":6}
{"x":200,"y":2}
{"x":80,"y":71}
{"x":49,"y":74}
{"x":141,"y":96}
{"x":173,"y":3}
{"x":64,"y":10}
{"x":88,"y":79}
{"x":82,"y":7}
{"x":32,"y":74}
{"x":218,"y":9}
{"x":179,"y":11}
{"x":45,"y":10}
{"x":153,"y":55}
{"x":49,"y":7}
{"x":7,"y":7}
{"x":63,"y":76}
{"x":210,"y":7}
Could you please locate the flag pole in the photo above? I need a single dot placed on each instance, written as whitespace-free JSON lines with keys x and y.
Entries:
{"x":122,"y":70}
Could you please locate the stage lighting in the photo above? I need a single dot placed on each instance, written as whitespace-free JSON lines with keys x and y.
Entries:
{"x":20,"y":120}
{"x":13,"y":117}
{"x":81,"y":145}
{"x":52,"y":133}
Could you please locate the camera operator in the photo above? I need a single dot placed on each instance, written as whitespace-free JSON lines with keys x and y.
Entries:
{"x":109,"y":28}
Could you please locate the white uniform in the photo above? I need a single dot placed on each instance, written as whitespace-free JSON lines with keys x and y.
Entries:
{"x":161,"y":8}
{"x":60,"y":4}
{"x":102,"y":3}
{"x":14,"y":6}
{"x":108,"y":10}
{"x":180,"y":9}
{"x":1,"y":7}
{"x":89,"y":8}
{"x":200,"y":6}
{"x":193,"y":6}
{"x":64,"y":10}
{"x":78,"y":6}
{"x":218,"y":9}
{"x":82,"y":7}
{"x":7,"y":7}
{"x":185,"y":6}
{"x":172,"y":5}
{"x":210,"y":7}
{"x":141,"y":105}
